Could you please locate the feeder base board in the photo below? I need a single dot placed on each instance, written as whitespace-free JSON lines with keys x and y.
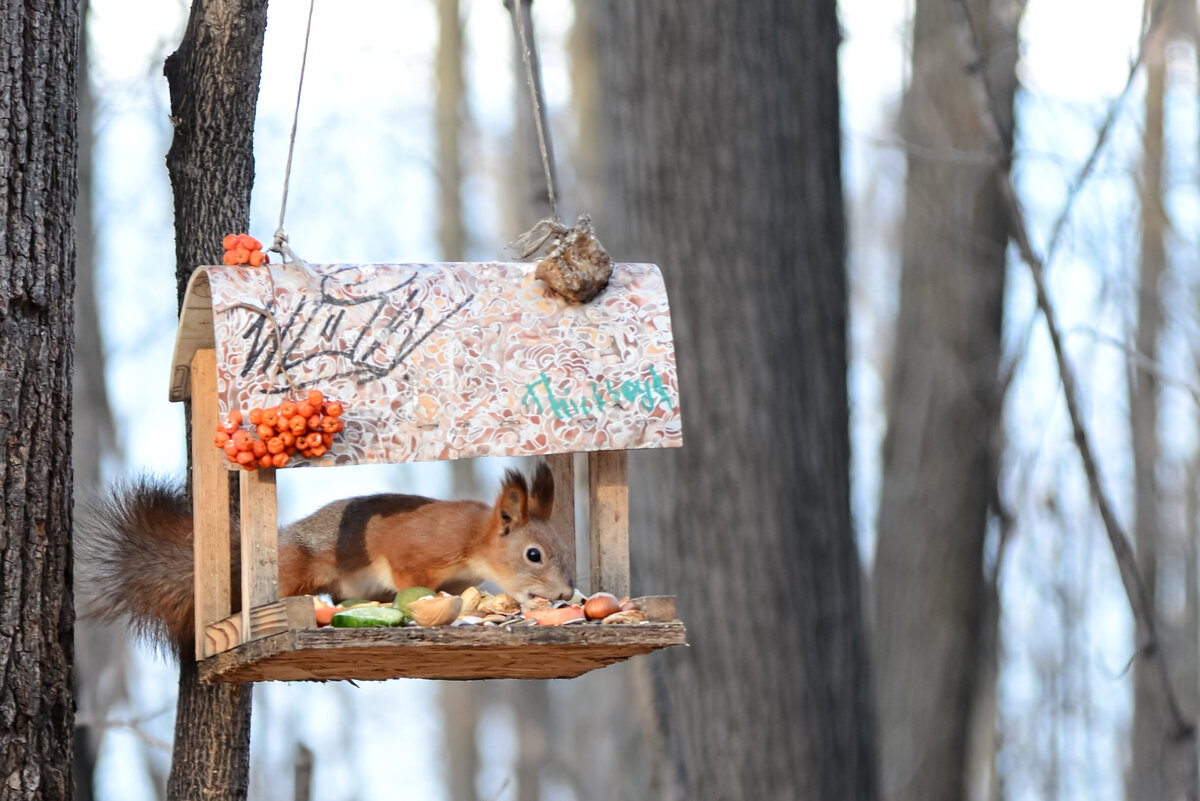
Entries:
{"x":526,"y":652}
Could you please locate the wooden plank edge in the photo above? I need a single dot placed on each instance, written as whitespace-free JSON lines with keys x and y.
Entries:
{"x":195,"y":332}
{"x":545,"y":652}
{"x":286,"y":614}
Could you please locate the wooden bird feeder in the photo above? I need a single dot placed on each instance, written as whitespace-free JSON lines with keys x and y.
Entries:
{"x":432,"y":362}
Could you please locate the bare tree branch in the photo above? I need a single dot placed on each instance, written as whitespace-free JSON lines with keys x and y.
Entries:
{"x":1181,"y":727}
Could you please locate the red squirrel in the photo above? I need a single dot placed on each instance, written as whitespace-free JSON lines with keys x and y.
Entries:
{"x":135,"y":550}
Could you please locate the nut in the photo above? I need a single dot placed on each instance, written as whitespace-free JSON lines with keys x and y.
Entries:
{"x":601,"y":605}
{"x":437,"y":611}
{"x":471,"y":597}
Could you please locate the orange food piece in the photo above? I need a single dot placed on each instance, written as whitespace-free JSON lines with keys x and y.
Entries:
{"x":318,"y":451}
{"x":245,"y":458}
{"x":298,"y":425}
{"x":287,"y":409}
{"x":305,"y":409}
{"x":265,"y":431}
{"x":242,"y":440}
{"x":234,"y":416}
{"x":332,"y":425}
{"x":255,"y":415}
{"x":327,"y":440}
{"x":257,"y":258}
{"x":333,"y":408}
{"x":265,"y":460}
{"x":270,"y":417}
{"x":231,"y":450}
{"x":312,"y":440}
{"x":555,"y":616}
{"x":230,"y":241}
{"x":315,"y":398}
{"x":279,"y":459}
{"x":258,"y":448}
{"x":287,"y":438}
{"x":248,"y":242}
{"x":274,"y":445}
{"x":230,"y":258}
{"x":314,"y":422}
{"x":325,"y":614}
{"x":220,"y":438}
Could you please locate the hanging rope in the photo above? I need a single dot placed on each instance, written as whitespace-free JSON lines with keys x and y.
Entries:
{"x":280,"y":245}
{"x":533,"y":80}
{"x":576,"y":265}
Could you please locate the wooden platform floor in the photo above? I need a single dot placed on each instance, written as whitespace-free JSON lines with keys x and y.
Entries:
{"x":528,"y":652}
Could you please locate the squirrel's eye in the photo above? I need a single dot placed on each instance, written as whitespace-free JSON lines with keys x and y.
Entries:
{"x":533,"y":555}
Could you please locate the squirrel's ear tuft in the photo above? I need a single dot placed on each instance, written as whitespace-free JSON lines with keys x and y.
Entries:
{"x":541,"y":493}
{"x":512,"y":506}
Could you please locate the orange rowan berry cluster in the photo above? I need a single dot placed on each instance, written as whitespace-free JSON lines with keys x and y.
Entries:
{"x":243,"y":249}
{"x":307,"y":426}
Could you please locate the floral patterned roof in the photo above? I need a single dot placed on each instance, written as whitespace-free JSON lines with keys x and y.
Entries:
{"x":443,"y":361}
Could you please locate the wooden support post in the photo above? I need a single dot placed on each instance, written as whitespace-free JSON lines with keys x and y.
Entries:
{"x":562,"y":466}
{"x":608,"y":515}
{"x":260,"y":543}
{"x":210,"y":502}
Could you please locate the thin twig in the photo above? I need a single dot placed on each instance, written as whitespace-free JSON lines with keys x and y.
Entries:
{"x":1141,"y":361}
{"x":1081,"y":177}
{"x":1135,"y":590}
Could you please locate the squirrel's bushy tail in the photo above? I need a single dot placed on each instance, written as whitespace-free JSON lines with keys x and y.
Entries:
{"x":134,"y":560}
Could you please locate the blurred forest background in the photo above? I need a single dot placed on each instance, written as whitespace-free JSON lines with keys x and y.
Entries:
{"x":1006,"y":660}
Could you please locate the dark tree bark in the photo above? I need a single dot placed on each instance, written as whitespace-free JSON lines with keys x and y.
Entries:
{"x":38,"y":188}
{"x":930,"y":593}
{"x":723,"y":166}
{"x":213,"y":79}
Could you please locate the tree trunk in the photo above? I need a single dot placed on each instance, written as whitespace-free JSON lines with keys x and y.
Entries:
{"x":213,"y":79}
{"x":722,"y":122}
{"x":929,"y":592}
{"x":38,"y":74}
{"x":1163,"y":767}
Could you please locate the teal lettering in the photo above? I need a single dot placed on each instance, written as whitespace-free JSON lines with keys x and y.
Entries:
{"x":657,"y":382}
{"x":531,"y":395}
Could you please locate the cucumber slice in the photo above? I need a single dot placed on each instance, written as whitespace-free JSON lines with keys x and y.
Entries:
{"x":367,"y":616}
